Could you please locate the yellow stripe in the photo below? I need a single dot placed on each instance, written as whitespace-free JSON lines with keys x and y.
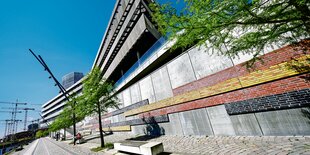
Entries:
{"x":86,"y":126}
{"x":257,"y":77}
{"x":118,"y":128}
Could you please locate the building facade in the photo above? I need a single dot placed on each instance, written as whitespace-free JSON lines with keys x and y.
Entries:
{"x":71,"y":78}
{"x":51,"y":109}
{"x":194,"y":92}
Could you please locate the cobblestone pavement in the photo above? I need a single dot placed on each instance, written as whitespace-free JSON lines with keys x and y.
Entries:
{"x":219,"y":145}
{"x":83,"y":149}
{"x":234,"y":145}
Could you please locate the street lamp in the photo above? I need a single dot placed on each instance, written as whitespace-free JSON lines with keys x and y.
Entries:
{"x":62,"y":89}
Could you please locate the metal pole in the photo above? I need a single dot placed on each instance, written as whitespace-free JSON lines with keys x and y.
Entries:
{"x":62,"y":89}
{"x":6,"y":127}
{"x":25,"y":123}
{"x":16,"y":124}
{"x":9,"y":128}
{"x":14,"y":117}
{"x":11,"y":124}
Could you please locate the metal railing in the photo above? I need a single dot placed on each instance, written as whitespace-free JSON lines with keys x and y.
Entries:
{"x":146,"y":56}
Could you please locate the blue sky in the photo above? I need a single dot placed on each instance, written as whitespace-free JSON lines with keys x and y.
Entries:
{"x":66,"y":33}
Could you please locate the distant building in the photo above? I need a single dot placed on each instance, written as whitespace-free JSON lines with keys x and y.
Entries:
{"x":33,"y":127}
{"x":71,"y":78}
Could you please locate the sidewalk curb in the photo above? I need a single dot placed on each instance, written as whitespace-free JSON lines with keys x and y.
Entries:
{"x":32,"y":148}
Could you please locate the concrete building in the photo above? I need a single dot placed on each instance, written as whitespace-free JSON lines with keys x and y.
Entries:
{"x":71,"y":78}
{"x":192,"y":92}
{"x":52,"y":108}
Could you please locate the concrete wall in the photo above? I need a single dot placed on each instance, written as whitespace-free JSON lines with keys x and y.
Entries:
{"x":148,"y":90}
{"x":192,"y":66}
{"x":216,"y":121}
{"x":120,"y":100}
{"x":181,"y":71}
{"x":246,"y":125}
{"x":205,"y":64}
{"x":196,"y":122}
{"x":220,"y":121}
{"x":284,"y":122}
{"x":135,"y":93}
{"x":126,"y":97}
{"x":162,"y":84}
{"x":188,"y":67}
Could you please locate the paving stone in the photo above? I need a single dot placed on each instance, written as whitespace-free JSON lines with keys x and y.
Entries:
{"x":245,"y":145}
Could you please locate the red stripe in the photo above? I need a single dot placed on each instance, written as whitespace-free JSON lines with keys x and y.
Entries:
{"x":270,"y":59}
{"x":271,"y":88}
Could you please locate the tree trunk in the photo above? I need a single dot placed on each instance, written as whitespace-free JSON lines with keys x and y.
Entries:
{"x":65,"y":134}
{"x":100,"y":125}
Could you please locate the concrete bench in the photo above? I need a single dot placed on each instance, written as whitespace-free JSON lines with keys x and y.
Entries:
{"x":145,"y":148}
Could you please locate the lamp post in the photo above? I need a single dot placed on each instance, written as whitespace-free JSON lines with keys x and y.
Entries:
{"x":62,"y":89}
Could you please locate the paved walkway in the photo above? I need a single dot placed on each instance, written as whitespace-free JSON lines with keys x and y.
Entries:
{"x":48,"y":146}
{"x":192,"y":145}
{"x":235,"y":145}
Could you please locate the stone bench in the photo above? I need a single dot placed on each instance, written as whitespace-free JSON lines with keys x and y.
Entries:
{"x":145,"y":148}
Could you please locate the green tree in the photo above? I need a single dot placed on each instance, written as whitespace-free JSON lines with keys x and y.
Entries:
{"x":63,"y":120}
{"x":96,"y":98}
{"x":39,"y":134}
{"x":235,"y":26}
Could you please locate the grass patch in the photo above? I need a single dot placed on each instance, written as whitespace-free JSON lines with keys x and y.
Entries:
{"x":97,"y":149}
{"x":106,"y":146}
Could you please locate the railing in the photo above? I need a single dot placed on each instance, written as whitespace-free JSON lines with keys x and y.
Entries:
{"x":148,"y":54}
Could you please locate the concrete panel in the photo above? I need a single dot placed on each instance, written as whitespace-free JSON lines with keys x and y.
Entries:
{"x":121,"y":117}
{"x":135,"y":93}
{"x":246,"y":125}
{"x":195,"y":122}
{"x":161,"y":84}
{"x":138,"y":129}
{"x":181,"y":71}
{"x":220,"y":121}
{"x":242,"y":58}
{"x":126,"y":97}
{"x":202,"y":122}
{"x":115,"y":119}
{"x":147,"y":90}
{"x":206,"y":64}
{"x":166,"y":128}
{"x":120,"y":100}
{"x":174,"y":126}
{"x":130,"y":118}
{"x":188,"y":123}
{"x":284,"y":122}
